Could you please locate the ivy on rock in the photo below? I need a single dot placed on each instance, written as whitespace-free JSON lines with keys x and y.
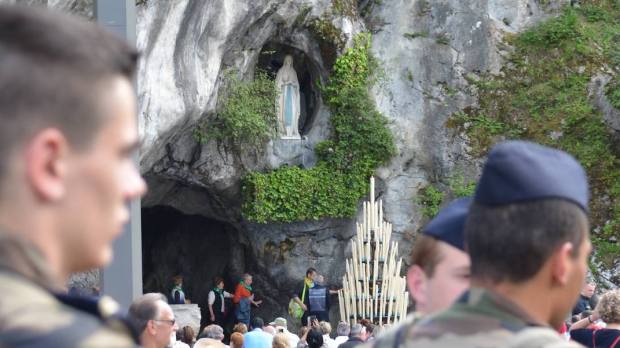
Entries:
{"x":360,"y":143}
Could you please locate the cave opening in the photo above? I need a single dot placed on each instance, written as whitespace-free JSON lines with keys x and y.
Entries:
{"x":271,"y":59}
{"x":194,"y":246}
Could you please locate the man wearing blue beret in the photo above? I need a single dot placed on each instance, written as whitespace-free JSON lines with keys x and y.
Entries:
{"x":527,"y":236}
{"x":439,"y":271}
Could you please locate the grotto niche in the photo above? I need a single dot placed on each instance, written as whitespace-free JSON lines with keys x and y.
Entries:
{"x":271,"y":59}
{"x":191,"y":245}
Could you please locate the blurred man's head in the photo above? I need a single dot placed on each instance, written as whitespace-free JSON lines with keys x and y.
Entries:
{"x":213,"y":331}
{"x":257,"y":323}
{"x":311,"y":273}
{"x":343,"y":329}
{"x":358,"y":331}
{"x":68,"y":136}
{"x":588,"y":289}
{"x":440,"y":267}
{"x":247,"y":279}
{"x":528,"y":227}
{"x":153,"y":318}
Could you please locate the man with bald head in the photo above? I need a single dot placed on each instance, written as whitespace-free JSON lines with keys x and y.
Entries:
{"x":153,"y":319}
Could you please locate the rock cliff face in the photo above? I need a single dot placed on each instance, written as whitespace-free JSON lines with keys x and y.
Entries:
{"x":192,"y":222}
{"x":426,"y":49}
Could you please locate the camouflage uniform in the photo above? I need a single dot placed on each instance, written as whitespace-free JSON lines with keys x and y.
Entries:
{"x":478,"y":319}
{"x":33,"y":315}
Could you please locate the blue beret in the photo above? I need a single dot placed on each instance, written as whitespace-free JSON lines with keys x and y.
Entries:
{"x":448,"y":225}
{"x":520,"y":171}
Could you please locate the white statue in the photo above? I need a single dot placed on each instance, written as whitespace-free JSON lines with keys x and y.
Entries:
{"x":287,"y":102}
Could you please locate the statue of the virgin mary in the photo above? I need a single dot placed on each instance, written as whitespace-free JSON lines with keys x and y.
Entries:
{"x":287,"y":103}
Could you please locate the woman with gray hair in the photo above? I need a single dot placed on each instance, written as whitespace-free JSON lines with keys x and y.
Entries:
{"x":608,"y":310}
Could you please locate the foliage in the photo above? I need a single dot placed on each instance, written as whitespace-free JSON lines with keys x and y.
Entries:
{"x":613,"y":93}
{"x":542,"y":95}
{"x":346,"y":8}
{"x":360,"y":143}
{"x":247,"y":114}
{"x":442,"y":39}
{"x":419,"y":34}
{"x":461,"y":188}
{"x":430,"y":198}
{"x":293,"y":194}
{"x":331,"y":39}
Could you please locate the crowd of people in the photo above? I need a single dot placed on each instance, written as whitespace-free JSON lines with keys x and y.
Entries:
{"x":499,"y":269}
{"x":150,"y":309}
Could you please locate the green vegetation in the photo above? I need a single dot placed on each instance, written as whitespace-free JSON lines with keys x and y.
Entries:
{"x":331,"y":39}
{"x":360,"y":143}
{"x":347,"y":8}
{"x":411,"y":36}
{"x":246,"y":114}
{"x":542,"y":95}
{"x":431,"y":198}
{"x":613,"y":92}
{"x":442,"y":39}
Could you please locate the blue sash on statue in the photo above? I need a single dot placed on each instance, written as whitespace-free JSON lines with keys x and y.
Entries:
{"x":289,"y":112}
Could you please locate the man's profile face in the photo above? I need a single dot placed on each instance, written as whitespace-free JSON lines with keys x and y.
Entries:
{"x":102,"y":180}
{"x":313,"y":276}
{"x":163,"y":325}
{"x":450,"y":279}
{"x":588,"y":289}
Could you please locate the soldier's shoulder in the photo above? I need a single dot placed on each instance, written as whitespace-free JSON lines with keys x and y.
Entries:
{"x":539,"y":337}
{"x":30,"y":315}
{"x":395,"y":334}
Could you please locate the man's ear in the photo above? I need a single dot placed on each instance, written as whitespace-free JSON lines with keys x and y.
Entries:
{"x":561,"y":263}
{"x":417,"y":284}
{"x":150,"y":327}
{"x":46,"y":156}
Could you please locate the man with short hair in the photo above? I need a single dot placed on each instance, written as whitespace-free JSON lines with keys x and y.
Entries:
{"x":244,"y":299}
{"x":356,"y":337}
{"x":527,"y":235}
{"x":584,"y":303}
{"x":257,"y":338}
{"x":282,"y":327}
{"x":303,"y":297}
{"x":67,"y":174}
{"x":211,"y":334}
{"x":342,"y":333}
{"x":440,"y":267}
{"x":154,"y":320}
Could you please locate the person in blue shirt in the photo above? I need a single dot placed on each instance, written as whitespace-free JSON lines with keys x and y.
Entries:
{"x":257,"y":338}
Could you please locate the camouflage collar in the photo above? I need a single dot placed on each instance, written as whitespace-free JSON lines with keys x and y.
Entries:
{"x":489,"y":303}
{"x":18,"y":256}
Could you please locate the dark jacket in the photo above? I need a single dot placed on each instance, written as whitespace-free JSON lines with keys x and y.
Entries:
{"x":583,"y":304}
{"x":352,"y":342}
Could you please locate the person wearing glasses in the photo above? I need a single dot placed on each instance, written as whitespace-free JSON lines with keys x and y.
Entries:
{"x":153,"y":319}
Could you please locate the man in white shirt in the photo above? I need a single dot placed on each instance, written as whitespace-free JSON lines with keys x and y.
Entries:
{"x":326,"y":329}
{"x":342,"y":331}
